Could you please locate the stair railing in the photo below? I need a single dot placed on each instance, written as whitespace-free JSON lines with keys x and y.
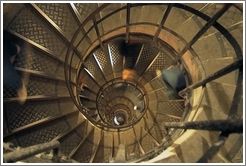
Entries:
{"x":24,"y":153}
{"x":210,"y":22}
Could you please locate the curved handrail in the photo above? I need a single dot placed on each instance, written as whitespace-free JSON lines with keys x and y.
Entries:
{"x":203,"y":16}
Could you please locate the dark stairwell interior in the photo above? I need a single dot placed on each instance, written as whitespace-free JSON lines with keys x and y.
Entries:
{"x":81,"y":109}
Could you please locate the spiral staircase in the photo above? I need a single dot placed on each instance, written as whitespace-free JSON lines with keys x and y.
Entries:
{"x":72,"y":60}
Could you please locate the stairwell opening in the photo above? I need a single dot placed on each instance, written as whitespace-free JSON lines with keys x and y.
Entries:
{"x":133,"y":96}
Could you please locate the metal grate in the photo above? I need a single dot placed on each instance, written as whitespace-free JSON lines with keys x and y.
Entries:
{"x":116,"y":57}
{"x":164,"y":118}
{"x":175,"y":108}
{"x":147,"y":55}
{"x":103,"y":61}
{"x":162,"y":62}
{"x":29,"y":26}
{"x":20,"y":115}
{"x":94,"y":69}
{"x":34,"y":60}
{"x":42,"y":133}
{"x":8,"y":93}
{"x":41,"y":86}
{"x":85,"y":9}
{"x":61,"y":15}
{"x":69,"y":142}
